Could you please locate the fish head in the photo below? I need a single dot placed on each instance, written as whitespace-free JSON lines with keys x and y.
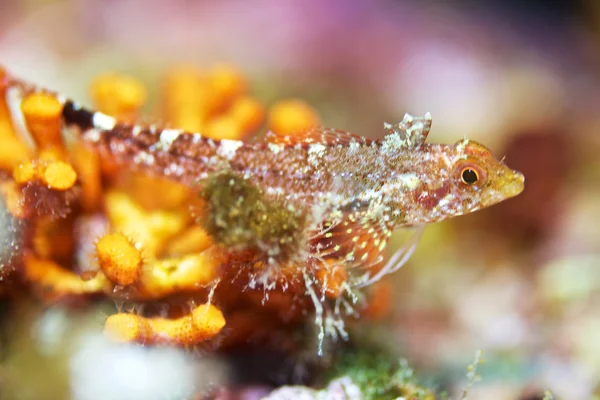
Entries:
{"x":478,"y":179}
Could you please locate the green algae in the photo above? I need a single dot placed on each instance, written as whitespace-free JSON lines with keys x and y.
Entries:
{"x":242,"y":217}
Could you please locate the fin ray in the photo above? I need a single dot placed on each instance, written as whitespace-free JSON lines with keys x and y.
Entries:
{"x":315,"y":135}
{"x":408,"y":133}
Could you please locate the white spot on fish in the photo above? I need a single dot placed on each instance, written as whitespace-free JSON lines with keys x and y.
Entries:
{"x":354,"y":145}
{"x":167,"y":137}
{"x":411,"y":181}
{"x":275,"y":148}
{"x":175,"y":169}
{"x":91,"y":135}
{"x":316,"y":149}
{"x":315,"y":152}
{"x":143,"y":157}
{"x":103,"y":122}
{"x":228,"y":148}
{"x":445,"y":201}
{"x":392,"y":143}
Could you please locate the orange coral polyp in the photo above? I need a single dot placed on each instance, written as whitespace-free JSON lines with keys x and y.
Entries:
{"x":120,"y":261}
{"x":248,"y":112}
{"x":42,"y":113}
{"x":292,"y":116}
{"x":25,"y":172}
{"x":203,"y":323}
{"x":12,"y":151}
{"x":225,"y":83}
{"x":118,"y":95}
{"x":59,"y":176}
{"x":223,"y":127}
{"x":184,"y":103}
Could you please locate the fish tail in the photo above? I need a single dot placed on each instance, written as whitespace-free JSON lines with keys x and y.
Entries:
{"x":173,"y":153}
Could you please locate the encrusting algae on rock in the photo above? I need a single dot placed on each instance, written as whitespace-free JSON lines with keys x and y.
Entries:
{"x":300,"y":217}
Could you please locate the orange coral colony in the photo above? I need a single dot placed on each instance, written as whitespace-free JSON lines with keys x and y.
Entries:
{"x":152,"y":251}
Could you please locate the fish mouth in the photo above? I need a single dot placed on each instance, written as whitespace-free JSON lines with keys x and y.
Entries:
{"x":514,"y":185}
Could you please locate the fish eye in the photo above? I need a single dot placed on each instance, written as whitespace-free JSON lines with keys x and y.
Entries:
{"x":470,"y":173}
{"x":469,"y":176}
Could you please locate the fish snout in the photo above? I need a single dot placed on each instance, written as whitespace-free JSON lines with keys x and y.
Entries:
{"x":513,"y":183}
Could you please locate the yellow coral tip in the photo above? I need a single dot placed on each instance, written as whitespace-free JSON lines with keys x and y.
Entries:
{"x":129,"y":91}
{"x":41,"y":105}
{"x":248,"y":112}
{"x":24,"y":172}
{"x":60,"y":176}
{"x":124,"y":327}
{"x":119,"y":96}
{"x":227,"y":80}
{"x":209,"y":319}
{"x":292,"y":116}
{"x":223,"y":127}
{"x":119,"y":259}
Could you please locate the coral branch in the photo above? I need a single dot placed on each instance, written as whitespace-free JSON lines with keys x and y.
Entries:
{"x":42,"y":113}
{"x":203,"y":323}
{"x":57,"y":282}
{"x":163,"y":277}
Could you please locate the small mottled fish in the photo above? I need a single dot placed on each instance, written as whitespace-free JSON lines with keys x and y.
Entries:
{"x":364,"y":189}
{"x":351,"y":192}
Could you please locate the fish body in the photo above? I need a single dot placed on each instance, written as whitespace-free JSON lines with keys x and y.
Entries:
{"x":415,"y":182}
{"x":356,"y":191}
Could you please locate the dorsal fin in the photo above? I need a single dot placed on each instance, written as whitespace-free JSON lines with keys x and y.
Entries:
{"x":320,"y":135}
{"x":408,"y":133}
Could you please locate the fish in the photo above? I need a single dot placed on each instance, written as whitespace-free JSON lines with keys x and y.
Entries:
{"x":340,"y":195}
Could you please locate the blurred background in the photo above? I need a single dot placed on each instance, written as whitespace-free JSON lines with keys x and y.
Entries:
{"x":521,"y":280}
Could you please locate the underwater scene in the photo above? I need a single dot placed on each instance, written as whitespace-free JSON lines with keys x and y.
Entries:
{"x":278,"y":199}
